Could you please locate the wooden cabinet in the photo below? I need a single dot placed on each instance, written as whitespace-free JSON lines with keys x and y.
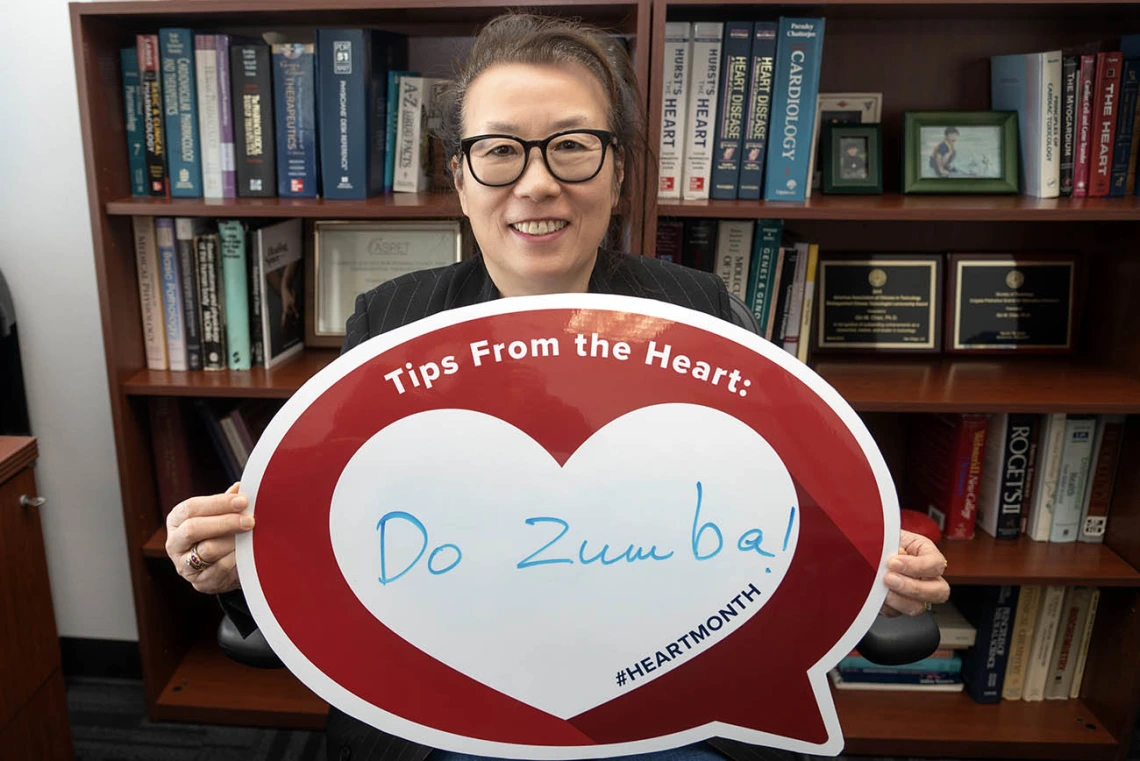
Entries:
{"x":33,"y":705}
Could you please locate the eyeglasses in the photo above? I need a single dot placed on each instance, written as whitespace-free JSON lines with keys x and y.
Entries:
{"x":571,"y":156}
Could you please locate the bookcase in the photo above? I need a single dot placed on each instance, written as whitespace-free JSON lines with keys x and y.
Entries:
{"x":920,"y":55}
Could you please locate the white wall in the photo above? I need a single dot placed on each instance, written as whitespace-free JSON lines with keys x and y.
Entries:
{"x":46,"y":256}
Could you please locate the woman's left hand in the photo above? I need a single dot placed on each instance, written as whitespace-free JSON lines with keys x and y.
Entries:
{"x":914,"y":576}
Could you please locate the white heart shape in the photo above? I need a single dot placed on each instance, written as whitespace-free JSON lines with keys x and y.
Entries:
{"x":556,"y":635}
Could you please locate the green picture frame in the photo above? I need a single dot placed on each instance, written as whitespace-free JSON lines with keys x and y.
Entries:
{"x":852,"y":158}
{"x":960,"y":152}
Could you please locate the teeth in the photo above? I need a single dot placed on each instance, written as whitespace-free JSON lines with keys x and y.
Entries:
{"x":543,"y":227}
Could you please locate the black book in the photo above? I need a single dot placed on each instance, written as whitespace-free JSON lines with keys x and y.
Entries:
{"x":255,"y":154}
{"x":1070,"y":68}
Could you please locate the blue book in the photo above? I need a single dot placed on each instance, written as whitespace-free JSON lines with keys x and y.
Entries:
{"x":799,"y":53}
{"x":951,"y":665}
{"x":172,"y":309}
{"x":352,"y":67}
{"x":295,"y":101}
{"x":735,"y":85}
{"x":755,"y":143}
{"x":1125,"y":127}
{"x":132,"y":104}
{"x":235,"y":287}
{"x":762,"y":270}
{"x":990,"y":610}
{"x":391,"y":124}
{"x":180,"y":98}
{"x":858,"y":676}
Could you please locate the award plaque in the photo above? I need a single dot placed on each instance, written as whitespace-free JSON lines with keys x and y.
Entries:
{"x":350,"y":258}
{"x":999,"y":303}
{"x":881,"y":302}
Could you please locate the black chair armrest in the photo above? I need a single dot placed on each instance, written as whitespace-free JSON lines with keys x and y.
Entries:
{"x":251,"y":650}
{"x":901,"y":639}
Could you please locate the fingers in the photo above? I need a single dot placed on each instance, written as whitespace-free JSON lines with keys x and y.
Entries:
{"x":195,"y":530}
{"x":920,"y":590}
{"x":217,"y":504}
{"x":217,"y":578}
{"x":214,"y":550}
{"x":896,"y":605}
{"x":920,"y":567}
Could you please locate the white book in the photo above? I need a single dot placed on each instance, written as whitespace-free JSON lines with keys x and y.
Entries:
{"x":701,"y":113}
{"x":674,"y":104}
{"x":956,"y":632}
{"x":1052,"y":87}
{"x":277,"y":264}
{"x":1069,"y":632}
{"x":840,"y":683}
{"x":1083,"y":647}
{"x":1041,"y":651}
{"x":1076,"y":462}
{"x":1045,"y":481}
{"x":733,"y":253}
{"x":417,"y":96}
{"x":150,"y":292}
{"x":209,"y":120}
{"x":1024,"y":622}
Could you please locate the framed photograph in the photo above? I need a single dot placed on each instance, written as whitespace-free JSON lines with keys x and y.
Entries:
{"x":960,"y":152}
{"x":841,"y":108}
{"x":852,"y":158}
{"x":350,"y":258}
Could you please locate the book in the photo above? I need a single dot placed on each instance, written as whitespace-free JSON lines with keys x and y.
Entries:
{"x":1083,"y":646}
{"x":1122,"y":153}
{"x":209,"y":118}
{"x":1086,"y":82}
{"x":799,"y":50}
{"x":211,"y":300}
{"x":1005,"y":470}
{"x":133,"y":115}
{"x":1098,"y":495}
{"x":674,"y":108}
{"x":791,"y":335}
{"x":225,"y":116}
{"x":392,"y":125}
{"x":186,"y":230}
{"x":1070,"y":79}
{"x":235,"y":291}
{"x":172,"y":313}
{"x":944,"y":472}
{"x":295,"y":106}
{"x":700,"y":129}
{"x":840,"y":683}
{"x":1041,"y":651}
{"x":1072,"y":478}
{"x":956,"y":631}
{"x":990,"y":609}
{"x":154,"y":130}
{"x":733,"y":254}
{"x":735,"y":87}
{"x":1062,"y":664}
{"x":950,"y":664}
{"x":803,"y":342}
{"x":754,"y":147}
{"x":276,"y":261}
{"x":1021,"y":639}
{"x":1106,"y":96}
{"x":1031,"y":84}
{"x":184,"y":161}
{"x":699,"y":251}
{"x":670,"y":239}
{"x":255,"y":148}
{"x":418,"y":99}
{"x":149,"y":279}
{"x":762,"y":270}
{"x":1040,"y":522}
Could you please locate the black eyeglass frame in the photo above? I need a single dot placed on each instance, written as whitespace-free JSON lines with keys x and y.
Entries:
{"x":605,"y":136}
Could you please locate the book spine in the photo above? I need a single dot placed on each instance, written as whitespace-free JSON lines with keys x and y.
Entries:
{"x":983,"y":666}
{"x":407,"y":175}
{"x":872,"y":677}
{"x":1106,"y":453}
{"x":809,"y":303}
{"x":256,"y":318}
{"x":1045,"y":483}
{"x":961,"y":519}
{"x":1012,"y":457}
{"x":796,"y":85}
{"x":209,"y":121}
{"x":700,"y":131}
{"x":218,"y":438}
{"x":755,"y":144}
{"x":392,"y":126}
{"x":387,"y":52}
{"x":154,"y":133}
{"x":255,"y":150}
{"x":1052,"y":87}
{"x":1041,"y":652}
{"x":1072,"y":477}
{"x":734,"y":89}
{"x":1125,"y":124}
{"x":1021,"y":640}
{"x":1015,"y":85}
{"x":1073,"y":614}
{"x":294,"y":102}
{"x":185,"y":230}
{"x":1070,"y":71}
{"x":674,"y":103}
{"x":1104,"y":123}
{"x":210,"y":302}
{"x":1086,"y":86}
{"x":699,"y":251}
{"x":173,"y":464}
{"x":670,"y":240}
{"x":787,"y":276}
{"x":341,"y":116}
{"x":949,"y":665}
{"x":184,"y":160}
{"x":225,"y":117}
{"x":1031,"y":469}
{"x":1083,"y":648}
{"x":278,"y":263}
{"x":796,"y":300}
{"x":171,"y":294}
{"x":235,"y":287}
{"x":150,"y":292}
{"x":1130,"y":177}
{"x":133,"y":113}
{"x":734,"y":249}
{"x":762,"y":269}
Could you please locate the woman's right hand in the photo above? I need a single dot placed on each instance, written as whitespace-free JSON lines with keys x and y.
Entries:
{"x":204,"y":528}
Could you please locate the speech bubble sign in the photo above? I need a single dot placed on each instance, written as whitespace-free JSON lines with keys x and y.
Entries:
{"x":570,"y":526}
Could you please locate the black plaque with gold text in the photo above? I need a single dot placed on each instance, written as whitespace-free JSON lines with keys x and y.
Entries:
{"x":882,"y":302}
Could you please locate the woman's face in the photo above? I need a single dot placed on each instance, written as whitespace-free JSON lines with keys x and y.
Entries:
{"x":533,"y":102}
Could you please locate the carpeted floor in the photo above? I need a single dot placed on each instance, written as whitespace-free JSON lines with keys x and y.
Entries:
{"x":108,"y":723}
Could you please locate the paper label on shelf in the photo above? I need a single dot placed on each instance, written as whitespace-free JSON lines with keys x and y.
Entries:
{"x":572,"y":526}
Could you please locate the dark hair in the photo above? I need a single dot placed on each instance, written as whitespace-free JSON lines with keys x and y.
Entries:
{"x":541,"y":40}
{"x":951,"y":131}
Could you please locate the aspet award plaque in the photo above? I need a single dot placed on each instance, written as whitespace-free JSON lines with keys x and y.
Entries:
{"x":1000,"y":303}
{"x":880,"y":302}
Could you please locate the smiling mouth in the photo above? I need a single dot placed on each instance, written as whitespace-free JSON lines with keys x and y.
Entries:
{"x":539,"y":227}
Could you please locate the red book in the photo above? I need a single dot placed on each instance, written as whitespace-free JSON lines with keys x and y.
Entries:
{"x":945,"y":468}
{"x":1086,"y":81}
{"x":1107,"y":93}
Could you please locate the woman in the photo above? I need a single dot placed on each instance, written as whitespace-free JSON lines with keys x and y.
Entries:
{"x":543,"y":125}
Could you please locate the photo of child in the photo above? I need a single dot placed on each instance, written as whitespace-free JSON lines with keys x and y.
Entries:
{"x":950,"y":152}
{"x":853,"y":158}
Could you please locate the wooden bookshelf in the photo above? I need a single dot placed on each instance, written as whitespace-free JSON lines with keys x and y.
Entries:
{"x":188,"y":679}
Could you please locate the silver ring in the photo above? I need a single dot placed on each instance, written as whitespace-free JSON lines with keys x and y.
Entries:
{"x":194,"y":560}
